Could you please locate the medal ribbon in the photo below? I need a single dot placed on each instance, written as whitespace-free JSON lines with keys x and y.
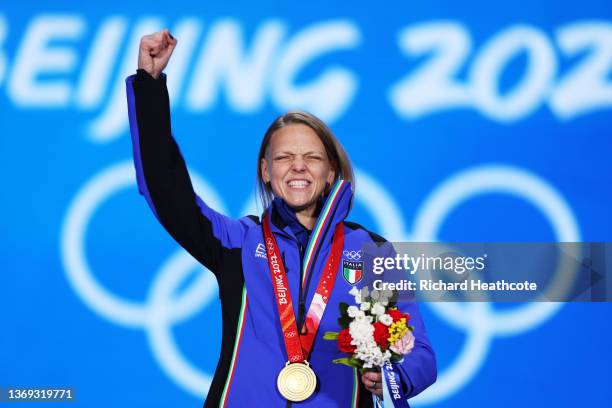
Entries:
{"x":393,"y":395}
{"x":317,"y":233}
{"x":299,"y":347}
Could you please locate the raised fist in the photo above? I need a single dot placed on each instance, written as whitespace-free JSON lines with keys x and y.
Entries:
{"x":155,"y":51}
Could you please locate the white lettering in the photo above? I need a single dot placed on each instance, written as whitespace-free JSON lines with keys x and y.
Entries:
{"x":439,"y":285}
{"x":36,"y":57}
{"x":113,"y":120}
{"x":100,"y":62}
{"x":221,"y":61}
{"x":476,"y":285}
{"x":390,"y":376}
{"x":502,"y":285}
{"x":403,"y":284}
{"x":188,"y":31}
{"x":331,"y":93}
{"x":433,"y":87}
{"x":270,"y":65}
{"x":586,"y":87}
{"x":525,"y":97}
{"x":377,"y":267}
{"x":416,"y":264}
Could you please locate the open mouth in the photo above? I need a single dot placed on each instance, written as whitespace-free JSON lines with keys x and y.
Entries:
{"x":298,"y":184}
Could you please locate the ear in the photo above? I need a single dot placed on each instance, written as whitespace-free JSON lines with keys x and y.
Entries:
{"x":264,"y":170}
{"x":331,"y":177}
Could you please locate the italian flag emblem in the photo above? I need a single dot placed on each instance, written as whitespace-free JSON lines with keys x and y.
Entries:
{"x":352,"y":271}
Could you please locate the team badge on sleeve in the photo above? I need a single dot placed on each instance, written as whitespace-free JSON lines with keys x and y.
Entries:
{"x":352,"y":271}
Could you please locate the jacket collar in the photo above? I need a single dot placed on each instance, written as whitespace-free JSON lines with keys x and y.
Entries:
{"x":288,"y":218}
{"x":335,"y":208}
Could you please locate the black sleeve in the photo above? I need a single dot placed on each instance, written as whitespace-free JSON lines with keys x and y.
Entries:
{"x":163,"y":178}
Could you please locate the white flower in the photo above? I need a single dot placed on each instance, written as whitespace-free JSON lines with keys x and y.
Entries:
{"x":386,"y":294}
{"x":385,"y":319}
{"x":377,"y":309}
{"x":375,"y":294}
{"x":361,"y":316}
{"x":355,"y":292}
{"x":362,"y":331}
{"x":365,"y":292}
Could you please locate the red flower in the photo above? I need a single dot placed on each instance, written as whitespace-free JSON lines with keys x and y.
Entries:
{"x":381,"y":335}
{"x":396,"y":315}
{"x":344,"y":342}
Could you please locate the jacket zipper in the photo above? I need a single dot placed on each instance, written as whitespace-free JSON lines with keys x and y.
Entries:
{"x":302,"y":300}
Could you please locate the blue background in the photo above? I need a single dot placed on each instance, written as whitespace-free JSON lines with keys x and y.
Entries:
{"x":51,"y":335}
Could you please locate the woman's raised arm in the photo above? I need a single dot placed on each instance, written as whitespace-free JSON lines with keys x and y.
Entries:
{"x":160,"y":168}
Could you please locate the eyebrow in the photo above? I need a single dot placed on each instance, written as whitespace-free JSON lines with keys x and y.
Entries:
{"x":305,"y":154}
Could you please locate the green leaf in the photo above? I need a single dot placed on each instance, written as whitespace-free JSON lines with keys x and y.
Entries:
{"x":411,"y":328}
{"x":349,"y":361}
{"x":395,"y":356}
{"x":343,"y":308}
{"x":330,"y":336}
{"x":344,"y":322}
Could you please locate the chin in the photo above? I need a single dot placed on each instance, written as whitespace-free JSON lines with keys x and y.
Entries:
{"x":300,"y":200}
{"x":299,"y":205}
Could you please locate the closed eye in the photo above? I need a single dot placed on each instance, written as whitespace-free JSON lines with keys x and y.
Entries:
{"x":314,"y":158}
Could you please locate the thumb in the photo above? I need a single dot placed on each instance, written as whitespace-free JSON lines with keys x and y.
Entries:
{"x":171,"y":40}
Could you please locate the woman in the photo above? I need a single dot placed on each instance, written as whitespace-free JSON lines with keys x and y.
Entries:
{"x":304,"y":177}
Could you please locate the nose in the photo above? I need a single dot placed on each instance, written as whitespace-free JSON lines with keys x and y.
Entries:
{"x":298,"y":164}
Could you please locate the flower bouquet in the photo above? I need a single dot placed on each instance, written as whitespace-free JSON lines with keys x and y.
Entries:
{"x":374,"y":331}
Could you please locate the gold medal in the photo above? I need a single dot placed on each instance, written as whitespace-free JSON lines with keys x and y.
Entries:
{"x":296,"y":382}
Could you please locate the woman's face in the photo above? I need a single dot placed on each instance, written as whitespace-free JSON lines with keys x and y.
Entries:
{"x":297,"y":166}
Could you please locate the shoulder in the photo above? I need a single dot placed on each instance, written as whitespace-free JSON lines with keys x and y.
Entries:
{"x":251,"y":220}
{"x":357,"y":229}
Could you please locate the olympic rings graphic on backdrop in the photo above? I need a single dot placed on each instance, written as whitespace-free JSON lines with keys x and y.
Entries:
{"x":162,"y":309}
{"x":152,"y":315}
{"x":484,"y":323}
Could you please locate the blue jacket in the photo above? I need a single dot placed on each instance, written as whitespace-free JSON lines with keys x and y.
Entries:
{"x":252,"y":349}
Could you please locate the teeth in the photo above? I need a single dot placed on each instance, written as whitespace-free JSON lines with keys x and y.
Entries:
{"x":298,"y":183}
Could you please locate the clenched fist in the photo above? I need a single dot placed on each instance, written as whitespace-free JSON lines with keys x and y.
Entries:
{"x":373,"y":382}
{"x":155,"y":51}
